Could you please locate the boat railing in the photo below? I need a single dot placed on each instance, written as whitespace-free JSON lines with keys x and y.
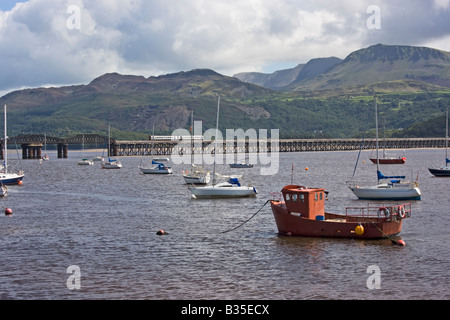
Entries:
{"x":277,"y":196}
{"x":397,"y":211}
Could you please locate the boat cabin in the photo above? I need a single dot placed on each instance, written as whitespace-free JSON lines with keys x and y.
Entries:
{"x":306,"y":202}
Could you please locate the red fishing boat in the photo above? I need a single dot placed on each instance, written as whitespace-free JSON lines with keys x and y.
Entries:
{"x":300,"y":211}
{"x":391,"y":160}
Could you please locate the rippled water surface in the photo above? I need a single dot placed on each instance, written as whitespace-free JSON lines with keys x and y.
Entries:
{"x":105,"y":222}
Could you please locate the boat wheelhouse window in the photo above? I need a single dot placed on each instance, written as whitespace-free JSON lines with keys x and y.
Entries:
{"x":321,"y":196}
{"x":288,"y":197}
{"x":316,"y":196}
{"x":294,"y":197}
{"x":302,"y":198}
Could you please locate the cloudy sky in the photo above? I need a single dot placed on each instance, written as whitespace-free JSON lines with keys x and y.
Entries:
{"x":61,"y":42}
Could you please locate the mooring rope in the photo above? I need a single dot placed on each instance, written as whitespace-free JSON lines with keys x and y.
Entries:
{"x":248,"y":219}
{"x":401,"y":243}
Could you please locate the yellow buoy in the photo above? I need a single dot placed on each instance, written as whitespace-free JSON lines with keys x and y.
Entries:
{"x":359,"y":230}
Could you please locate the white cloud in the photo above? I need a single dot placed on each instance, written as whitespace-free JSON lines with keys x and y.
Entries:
{"x":150,"y":37}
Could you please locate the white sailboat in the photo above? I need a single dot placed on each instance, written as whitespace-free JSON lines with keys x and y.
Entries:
{"x":394,"y":189}
{"x":229,"y":189}
{"x":8,"y":178}
{"x":154,"y":168}
{"x":45,"y":157}
{"x":111,"y":163}
{"x":197,"y":174}
{"x":443,"y":171}
{"x":84,"y":161}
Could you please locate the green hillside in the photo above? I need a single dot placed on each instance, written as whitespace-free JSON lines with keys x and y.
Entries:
{"x":411,"y":105}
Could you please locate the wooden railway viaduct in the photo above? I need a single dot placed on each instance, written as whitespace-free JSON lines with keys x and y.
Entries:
{"x":32,"y":145}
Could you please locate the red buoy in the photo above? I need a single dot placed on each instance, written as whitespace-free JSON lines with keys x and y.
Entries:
{"x":401,"y":243}
{"x":8,"y":212}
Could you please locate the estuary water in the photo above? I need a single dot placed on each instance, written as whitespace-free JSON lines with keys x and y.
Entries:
{"x":104,"y":222}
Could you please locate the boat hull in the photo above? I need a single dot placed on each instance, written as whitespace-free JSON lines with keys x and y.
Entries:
{"x":440,"y":172}
{"x":111,"y":167}
{"x":11,"y":179}
{"x":239,"y":165}
{"x":155,"y":171}
{"x":389,"y":161}
{"x":196,"y":179}
{"x":214,"y":192}
{"x":382,"y":192}
{"x":333,"y":225}
{"x":85,"y":163}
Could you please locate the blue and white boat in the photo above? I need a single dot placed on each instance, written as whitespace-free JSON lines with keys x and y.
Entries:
{"x":229,"y":189}
{"x":111,"y":164}
{"x":443,"y":171}
{"x":6,"y":177}
{"x":155,"y":168}
{"x":394,"y":189}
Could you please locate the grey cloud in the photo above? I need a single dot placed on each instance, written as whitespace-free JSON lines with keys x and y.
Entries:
{"x":149,"y":37}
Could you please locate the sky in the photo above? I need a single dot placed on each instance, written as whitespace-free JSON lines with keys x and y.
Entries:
{"x":65,"y":42}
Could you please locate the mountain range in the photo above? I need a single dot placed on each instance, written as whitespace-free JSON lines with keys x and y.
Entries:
{"x":326,"y":97}
{"x":375,"y":64}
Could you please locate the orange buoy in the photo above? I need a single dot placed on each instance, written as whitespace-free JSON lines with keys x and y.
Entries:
{"x":8,"y":212}
{"x":20,"y":183}
{"x":401,"y":243}
{"x":359,"y":230}
{"x":306,"y":169}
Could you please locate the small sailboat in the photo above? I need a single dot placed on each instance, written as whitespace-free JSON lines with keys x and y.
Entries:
{"x":241,"y":165}
{"x":229,"y":189}
{"x":84,"y":161}
{"x":45,"y":157}
{"x":155,"y":168}
{"x":3,"y":191}
{"x":197,"y":175}
{"x":388,"y":158}
{"x":443,"y":171}
{"x":111,"y":163}
{"x":6,"y":177}
{"x":394,"y":189}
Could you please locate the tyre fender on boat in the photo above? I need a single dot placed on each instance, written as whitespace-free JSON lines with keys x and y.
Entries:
{"x":401,"y":212}
{"x":385,"y":212}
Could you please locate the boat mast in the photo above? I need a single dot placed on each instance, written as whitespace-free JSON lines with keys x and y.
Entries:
{"x":192,"y":138}
{"x":109,"y":142}
{"x":215,"y":140}
{"x":376,"y":133}
{"x":5,"y":157}
{"x":446,"y":140}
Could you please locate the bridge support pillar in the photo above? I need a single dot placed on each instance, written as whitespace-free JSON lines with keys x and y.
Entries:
{"x":63,"y":151}
{"x":31,"y":151}
{"x":113,"y":150}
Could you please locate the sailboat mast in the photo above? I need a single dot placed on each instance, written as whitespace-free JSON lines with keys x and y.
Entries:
{"x":215,"y":140}
{"x":192,"y":138}
{"x":5,"y":157}
{"x":446,"y":138}
{"x":109,"y":140}
{"x":376,"y":132}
